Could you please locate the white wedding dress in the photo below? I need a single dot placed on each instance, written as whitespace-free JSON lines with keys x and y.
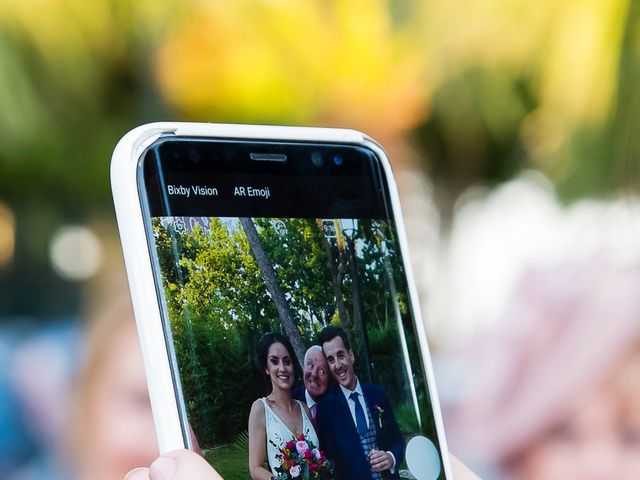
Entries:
{"x":279,"y":433}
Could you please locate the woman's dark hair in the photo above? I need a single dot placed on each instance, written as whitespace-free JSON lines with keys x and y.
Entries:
{"x":262,"y":350}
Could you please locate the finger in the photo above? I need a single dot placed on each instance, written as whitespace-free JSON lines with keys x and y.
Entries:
{"x":377,"y":455}
{"x":138,"y":474}
{"x":380,"y":461}
{"x":381,"y":467}
{"x":182,"y":465}
{"x":460,"y":472}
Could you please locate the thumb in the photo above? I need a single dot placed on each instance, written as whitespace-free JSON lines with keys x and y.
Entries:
{"x":177,"y":465}
{"x":182,"y":465}
{"x":460,"y":471}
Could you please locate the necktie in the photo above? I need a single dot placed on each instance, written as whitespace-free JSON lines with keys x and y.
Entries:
{"x":361,"y":421}
{"x":314,"y":411}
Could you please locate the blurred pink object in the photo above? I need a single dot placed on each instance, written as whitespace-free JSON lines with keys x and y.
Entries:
{"x":566,"y":330}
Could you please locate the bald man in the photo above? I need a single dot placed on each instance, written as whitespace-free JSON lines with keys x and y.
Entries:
{"x":316,"y":379}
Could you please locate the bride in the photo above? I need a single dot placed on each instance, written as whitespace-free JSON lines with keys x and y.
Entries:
{"x":277,"y":418}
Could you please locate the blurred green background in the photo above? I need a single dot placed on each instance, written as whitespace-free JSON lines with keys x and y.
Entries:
{"x":513,"y":127}
{"x":466,"y":93}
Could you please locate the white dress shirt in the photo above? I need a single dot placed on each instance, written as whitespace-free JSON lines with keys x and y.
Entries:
{"x":352,"y":406}
{"x":310,"y":402}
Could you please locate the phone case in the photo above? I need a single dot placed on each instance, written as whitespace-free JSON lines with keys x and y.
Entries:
{"x":128,"y":207}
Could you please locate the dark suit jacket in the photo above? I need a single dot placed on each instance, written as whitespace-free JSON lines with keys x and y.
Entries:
{"x":339,"y":437}
{"x":298,"y":394}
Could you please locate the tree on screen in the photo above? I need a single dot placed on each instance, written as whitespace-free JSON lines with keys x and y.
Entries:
{"x":269,"y":276}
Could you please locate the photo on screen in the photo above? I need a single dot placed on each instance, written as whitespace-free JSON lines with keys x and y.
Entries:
{"x":232,"y":284}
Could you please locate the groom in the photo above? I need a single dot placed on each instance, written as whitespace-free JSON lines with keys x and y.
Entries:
{"x":356,"y":426}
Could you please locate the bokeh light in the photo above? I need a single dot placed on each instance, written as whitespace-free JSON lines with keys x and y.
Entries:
{"x":76,"y":253}
{"x":498,"y":235}
{"x":7,"y":234}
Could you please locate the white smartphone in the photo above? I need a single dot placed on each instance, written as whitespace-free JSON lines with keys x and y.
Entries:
{"x":269,"y":273}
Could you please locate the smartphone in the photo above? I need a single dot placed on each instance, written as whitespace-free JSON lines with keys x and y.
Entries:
{"x":269,"y":272}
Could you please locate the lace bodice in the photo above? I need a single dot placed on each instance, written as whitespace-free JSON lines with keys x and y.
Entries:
{"x":279,"y":433}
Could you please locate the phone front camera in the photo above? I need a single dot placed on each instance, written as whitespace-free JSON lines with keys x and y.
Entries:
{"x":337,"y":160}
{"x":316,"y":159}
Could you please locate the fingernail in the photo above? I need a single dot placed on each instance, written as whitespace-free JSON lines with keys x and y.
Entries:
{"x":162,"y":469}
{"x":137,"y":474}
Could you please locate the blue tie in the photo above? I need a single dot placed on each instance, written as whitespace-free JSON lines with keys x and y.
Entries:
{"x":361,"y":421}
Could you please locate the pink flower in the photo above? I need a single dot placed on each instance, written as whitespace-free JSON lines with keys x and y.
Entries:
{"x":316,"y":453}
{"x":295,"y":471}
{"x":301,"y":446}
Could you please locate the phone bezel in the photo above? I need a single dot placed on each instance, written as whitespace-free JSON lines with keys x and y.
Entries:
{"x":163,"y":392}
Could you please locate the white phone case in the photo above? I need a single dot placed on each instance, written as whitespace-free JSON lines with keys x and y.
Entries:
{"x":124,"y":165}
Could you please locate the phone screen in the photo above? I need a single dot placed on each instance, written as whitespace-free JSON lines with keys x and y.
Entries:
{"x":283,"y":291}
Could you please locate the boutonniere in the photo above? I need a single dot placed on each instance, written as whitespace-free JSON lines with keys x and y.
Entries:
{"x":378,"y":411}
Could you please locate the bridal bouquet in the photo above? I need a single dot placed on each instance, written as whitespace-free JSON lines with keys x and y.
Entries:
{"x":300,"y":459}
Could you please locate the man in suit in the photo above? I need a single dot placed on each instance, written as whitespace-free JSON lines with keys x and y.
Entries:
{"x":356,"y":426}
{"x":315,"y":375}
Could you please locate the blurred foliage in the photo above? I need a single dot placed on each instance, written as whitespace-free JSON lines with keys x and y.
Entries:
{"x":549,"y":85}
{"x":331,"y":62}
{"x":70,"y":86}
{"x":480,"y":89}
